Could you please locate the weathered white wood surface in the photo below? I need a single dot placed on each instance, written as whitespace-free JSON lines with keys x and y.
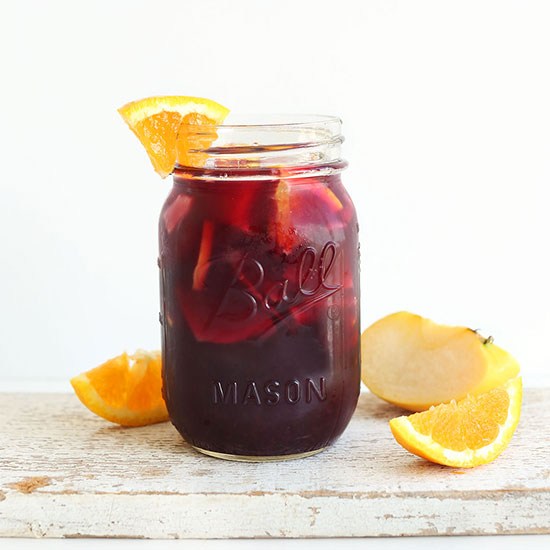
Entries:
{"x":66,"y":473}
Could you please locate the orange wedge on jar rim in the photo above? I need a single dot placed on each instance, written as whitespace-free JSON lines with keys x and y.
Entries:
{"x":467,"y":433}
{"x":156,"y":121}
{"x":126,"y":390}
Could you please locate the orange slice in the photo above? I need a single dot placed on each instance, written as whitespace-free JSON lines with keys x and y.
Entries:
{"x":466,"y":433}
{"x":126,"y":390}
{"x":156,"y":121}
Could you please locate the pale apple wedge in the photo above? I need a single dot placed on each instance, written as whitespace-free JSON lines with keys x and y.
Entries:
{"x":415,"y":363}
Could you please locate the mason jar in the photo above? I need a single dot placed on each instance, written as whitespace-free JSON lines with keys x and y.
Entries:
{"x":259,"y":260}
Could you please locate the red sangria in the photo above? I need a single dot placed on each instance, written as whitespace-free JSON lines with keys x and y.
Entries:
{"x":260,"y":290}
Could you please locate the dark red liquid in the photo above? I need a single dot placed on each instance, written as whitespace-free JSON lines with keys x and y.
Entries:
{"x":260,"y":311}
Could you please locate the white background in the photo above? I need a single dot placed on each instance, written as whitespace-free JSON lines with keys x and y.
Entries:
{"x":446,"y":110}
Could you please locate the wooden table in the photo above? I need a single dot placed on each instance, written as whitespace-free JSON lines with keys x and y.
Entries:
{"x":66,"y":473}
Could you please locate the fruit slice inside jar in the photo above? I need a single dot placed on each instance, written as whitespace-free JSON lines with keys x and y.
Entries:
{"x":224,"y":302}
{"x":306,"y":202}
{"x":177,"y":211}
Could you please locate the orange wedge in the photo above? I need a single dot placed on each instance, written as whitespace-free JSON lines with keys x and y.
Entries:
{"x":466,"y":433}
{"x":156,"y":122}
{"x":126,"y":390}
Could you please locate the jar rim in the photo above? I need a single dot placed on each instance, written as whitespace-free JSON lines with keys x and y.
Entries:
{"x":261,"y":141}
{"x":274,"y":120}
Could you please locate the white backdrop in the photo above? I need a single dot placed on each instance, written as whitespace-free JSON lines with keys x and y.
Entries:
{"x":446,"y":110}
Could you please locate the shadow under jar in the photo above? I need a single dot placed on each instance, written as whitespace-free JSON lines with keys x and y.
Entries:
{"x":259,"y":260}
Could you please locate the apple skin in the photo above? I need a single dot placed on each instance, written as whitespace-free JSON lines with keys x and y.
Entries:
{"x":415,"y":363}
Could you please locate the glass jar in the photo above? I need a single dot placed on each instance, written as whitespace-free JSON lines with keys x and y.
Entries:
{"x":259,"y":260}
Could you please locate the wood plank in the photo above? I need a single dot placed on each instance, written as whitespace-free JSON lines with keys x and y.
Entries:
{"x":66,"y":473}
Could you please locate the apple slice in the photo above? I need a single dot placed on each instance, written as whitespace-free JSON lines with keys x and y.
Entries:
{"x":177,"y":210}
{"x":199,"y":273}
{"x":415,"y":363}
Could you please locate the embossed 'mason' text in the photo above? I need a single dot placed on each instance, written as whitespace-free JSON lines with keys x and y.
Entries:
{"x":271,"y":392}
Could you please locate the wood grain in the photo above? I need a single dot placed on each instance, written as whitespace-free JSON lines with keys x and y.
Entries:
{"x":66,"y":473}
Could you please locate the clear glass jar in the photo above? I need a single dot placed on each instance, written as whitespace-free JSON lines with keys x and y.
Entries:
{"x":259,"y":268}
